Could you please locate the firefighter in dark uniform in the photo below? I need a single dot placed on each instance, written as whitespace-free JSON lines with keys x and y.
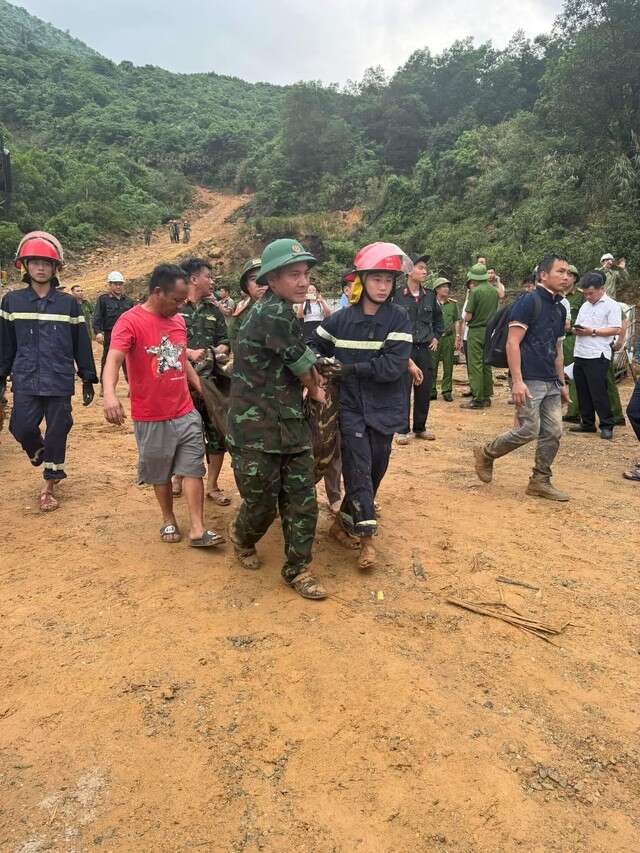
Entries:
{"x":109,"y":307}
{"x":371,"y":339}
{"x":42,"y":334}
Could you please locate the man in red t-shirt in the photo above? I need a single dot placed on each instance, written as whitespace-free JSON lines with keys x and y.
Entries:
{"x":153,"y":339}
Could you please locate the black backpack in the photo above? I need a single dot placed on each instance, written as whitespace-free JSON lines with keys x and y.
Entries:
{"x":495,"y":342}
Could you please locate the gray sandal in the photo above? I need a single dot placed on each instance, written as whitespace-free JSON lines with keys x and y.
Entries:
{"x":208,"y":539}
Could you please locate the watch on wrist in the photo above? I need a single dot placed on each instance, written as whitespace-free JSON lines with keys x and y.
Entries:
{"x":593,"y":333}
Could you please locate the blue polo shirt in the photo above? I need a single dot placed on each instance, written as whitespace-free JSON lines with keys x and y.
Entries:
{"x":539,"y":345}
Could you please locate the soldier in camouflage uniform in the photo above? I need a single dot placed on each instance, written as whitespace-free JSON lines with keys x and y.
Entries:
{"x":86,"y":307}
{"x":252,"y":292}
{"x":207,"y":342}
{"x":269,"y":439}
{"x":450,"y":340}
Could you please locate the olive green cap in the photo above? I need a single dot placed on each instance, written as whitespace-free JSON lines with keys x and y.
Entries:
{"x":574,"y":271}
{"x":478,"y":272}
{"x":281,"y":253}
{"x":439,"y":282}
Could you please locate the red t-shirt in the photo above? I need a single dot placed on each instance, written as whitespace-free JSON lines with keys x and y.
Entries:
{"x":156,"y":349}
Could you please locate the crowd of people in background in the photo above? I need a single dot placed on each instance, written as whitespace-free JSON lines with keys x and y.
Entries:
{"x":209,"y":375}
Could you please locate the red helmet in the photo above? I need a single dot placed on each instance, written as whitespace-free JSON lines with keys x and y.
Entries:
{"x":39,"y":244}
{"x":382,"y":256}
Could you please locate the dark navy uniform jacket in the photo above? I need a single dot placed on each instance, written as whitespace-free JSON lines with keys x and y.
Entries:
{"x":425,"y":313}
{"x":108,"y":310}
{"x":39,"y":341}
{"x":379,"y":346}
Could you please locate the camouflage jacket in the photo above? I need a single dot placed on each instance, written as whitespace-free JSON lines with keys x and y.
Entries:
{"x":614,"y":278}
{"x":206,"y":326}
{"x":87,"y":309}
{"x":238,"y":319}
{"x":265,"y":411}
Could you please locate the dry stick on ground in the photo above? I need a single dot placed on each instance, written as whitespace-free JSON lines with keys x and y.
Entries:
{"x":502,"y":579}
{"x":531,"y":626}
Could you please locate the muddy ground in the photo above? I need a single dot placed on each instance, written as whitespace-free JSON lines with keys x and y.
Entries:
{"x":157,"y":698}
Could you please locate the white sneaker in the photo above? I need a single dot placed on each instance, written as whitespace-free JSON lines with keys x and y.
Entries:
{"x":403,"y":439}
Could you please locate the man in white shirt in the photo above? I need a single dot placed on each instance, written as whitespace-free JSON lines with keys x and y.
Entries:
{"x":599,"y":320}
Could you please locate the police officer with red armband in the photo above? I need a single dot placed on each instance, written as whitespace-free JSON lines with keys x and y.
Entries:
{"x":42,"y":333}
{"x":371,"y":339}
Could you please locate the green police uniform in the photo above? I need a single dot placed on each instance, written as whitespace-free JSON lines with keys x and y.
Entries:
{"x":268,"y":436}
{"x":206,"y":329}
{"x":446,"y":347}
{"x":482,"y":305}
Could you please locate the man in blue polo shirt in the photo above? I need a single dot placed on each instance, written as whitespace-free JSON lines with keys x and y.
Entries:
{"x":534,"y":354}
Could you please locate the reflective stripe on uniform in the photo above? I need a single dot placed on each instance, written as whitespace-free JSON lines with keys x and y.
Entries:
{"x":371,"y":345}
{"x":53,"y":467}
{"x":400,"y":336}
{"x":34,"y":315}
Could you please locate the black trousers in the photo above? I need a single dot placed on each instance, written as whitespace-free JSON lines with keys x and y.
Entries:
{"x":590,"y":375}
{"x":422,"y":355}
{"x":365,"y":458}
{"x":27,"y":415}
{"x":633,"y":410}
{"x":105,"y":351}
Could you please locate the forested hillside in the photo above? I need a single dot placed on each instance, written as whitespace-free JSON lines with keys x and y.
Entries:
{"x":507,"y":152}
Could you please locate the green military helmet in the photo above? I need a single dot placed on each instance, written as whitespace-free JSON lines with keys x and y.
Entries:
{"x":573,"y":270}
{"x":251,"y":265}
{"x":478,"y":272}
{"x":440,"y":282}
{"x":281,"y":253}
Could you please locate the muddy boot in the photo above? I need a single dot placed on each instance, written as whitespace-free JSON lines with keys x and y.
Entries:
{"x":367,"y":559}
{"x":544,"y":489}
{"x":247,"y":557}
{"x":308,"y":586}
{"x":337,"y":532}
{"x":484,"y":465}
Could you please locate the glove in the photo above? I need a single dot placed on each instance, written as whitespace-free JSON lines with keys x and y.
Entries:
{"x":87,"y":393}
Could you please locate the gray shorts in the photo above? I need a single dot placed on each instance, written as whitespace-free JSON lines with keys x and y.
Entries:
{"x":170,"y":447}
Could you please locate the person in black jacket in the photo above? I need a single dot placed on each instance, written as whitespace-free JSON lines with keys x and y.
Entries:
{"x":371,"y":340}
{"x":42,"y":333}
{"x":427,"y":328}
{"x":109,"y":308}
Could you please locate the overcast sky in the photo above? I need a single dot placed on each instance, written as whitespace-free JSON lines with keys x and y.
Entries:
{"x":282,"y":41}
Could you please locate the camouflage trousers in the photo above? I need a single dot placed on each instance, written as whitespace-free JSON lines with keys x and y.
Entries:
{"x":272,"y":482}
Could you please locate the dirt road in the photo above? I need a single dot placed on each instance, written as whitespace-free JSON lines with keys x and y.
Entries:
{"x":208,"y":220}
{"x":157,"y":698}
